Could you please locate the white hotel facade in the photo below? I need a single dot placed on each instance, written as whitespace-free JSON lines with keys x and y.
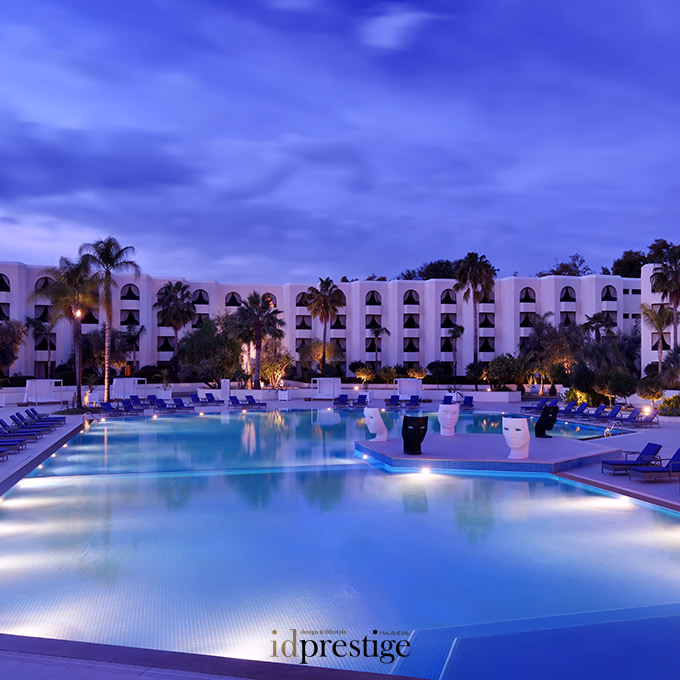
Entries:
{"x":418,"y":314}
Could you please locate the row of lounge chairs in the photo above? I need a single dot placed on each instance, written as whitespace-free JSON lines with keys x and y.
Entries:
{"x":636,"y":418}
{"x":25,"y":429}
{"x":647,"y":466}
{"x":394,"y":401}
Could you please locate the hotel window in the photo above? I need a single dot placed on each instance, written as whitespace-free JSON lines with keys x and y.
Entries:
{"x":608,"y":294}
{"x":448,"y":320}
{"x":372,"y":345}
{"x":626,"y":291}
{"x":129,"y":317}
{"x":41,"y":343}
{"x":411,"y":320}
{"x":411,"y":344}
{"x":411,"y":297}
{"x":301,"y":300}
{"x":567,"y":318}
{"x":232,"y":300}
{"x":199,"y":320}
{"x":446,"y":345}
{"x":568,"y":294}
{"x":611,"y":316}
{"x":626,"y":315}
{"x":527,"y":295}
{"x":129,"y":292}
{"x":373,"y":298}
{"x":526,"y":319}
{"x":300,"y":343}
{"x":165,"y":344}
{"x":488,"y":299}
{"x":41,"y":313}
{"x":341,"y":343}
{"x":91,"y":316}
{"x":200,"y":297}
{"x":159,"y":320}
{"x":339,"y":323}
{"x":448,"y":297}
{"x":487,"y":345}
{"x":303,"y":323}
{"x":635,"y":316}
{"x":4,"y":311}
{"x":42,"y":283}
{"x":270,"y":299}
{"x":373,"y":321}
{"x":637,"y":291}
{"x":487,"y":320}
{"x":665,"y":344}
{"x":4,"y":284}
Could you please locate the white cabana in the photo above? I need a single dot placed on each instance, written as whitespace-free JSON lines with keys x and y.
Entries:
{"x":45,"y":391}
{"x":123,"y":388}
{"x":326,"y":388}
{"x":406,"y":387}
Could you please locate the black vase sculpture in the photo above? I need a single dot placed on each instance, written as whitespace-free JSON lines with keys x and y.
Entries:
{"x":546,"y":421}
{"x":413,"y":432}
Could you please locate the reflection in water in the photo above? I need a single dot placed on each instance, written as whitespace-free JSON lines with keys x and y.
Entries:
{"x":474,"y":509}
{"x":414,"y":498}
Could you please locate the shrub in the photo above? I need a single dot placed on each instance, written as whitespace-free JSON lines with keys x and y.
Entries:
{"x":650,"y":388}
{"x":670,"y":406}
{"x":387,"y":374}
{"x":417,"y":372}
{"x":365,"y":373}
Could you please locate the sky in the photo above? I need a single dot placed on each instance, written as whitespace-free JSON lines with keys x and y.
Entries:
{"x":283,"y":140}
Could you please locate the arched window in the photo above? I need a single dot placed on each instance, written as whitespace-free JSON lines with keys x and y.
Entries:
{"x":270,"y":298}
{"x":232,"y":299}
{"x":301,"y":300}
{"x":373,"y":297}
{"x":411,"y":297}
{"x":129,"y":292}
{"x":200,"y":297}
{"x":42,"y":282}
{"x":568,"y":294}
{"x":448,"y":297}
{"x":609,"y":294}
{"x":527,"y":295}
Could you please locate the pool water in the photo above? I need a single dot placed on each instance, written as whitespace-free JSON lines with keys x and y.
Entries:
{"x":203,"y":534}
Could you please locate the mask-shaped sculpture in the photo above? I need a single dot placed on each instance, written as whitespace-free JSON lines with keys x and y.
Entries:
{"x":375,"y":424}
{"x":546,"y":421}
{"x":516,"y":433}
{"x":448,"y":417}
{"x":413,"y":431}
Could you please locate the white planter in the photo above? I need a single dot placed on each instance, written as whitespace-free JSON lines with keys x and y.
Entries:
{"x":283,"y":395}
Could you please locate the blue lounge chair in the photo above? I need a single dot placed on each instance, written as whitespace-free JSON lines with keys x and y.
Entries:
{"x":631,"y":417}
{"x":111,"y":411}
{"x":644,"y":458}
{"x":195,"y":399}
{"x":21,"y":424}
{"x":579,"y":411}
{"x":234,"y":401}
{"x":595,"y":414}
{"x":340,"y":402}
{"x":130,"y":408}
{"x":139,"y":402}
{"x":535,"y":407}
{"x":181,"y":406}
{"x":35,"y":414}
{"x":20,"y":432}
{"x":10,"y":442}
{"x":212,"y":401}
{"x":647,"y":420}
{"x":250,"y":400}
{"x":413,"y":402}
{"x":468,"y":403}
{"x":31,"y":419}
{"x":658,"y":473}
{"x":447,"y":400}
{"x":610,"y":415}
{"x":568,"y":408}
{"x":392,"y":402}
{"x":360,"y":401}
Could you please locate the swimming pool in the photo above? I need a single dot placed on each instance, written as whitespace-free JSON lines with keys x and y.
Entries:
{"x":205,"y":534}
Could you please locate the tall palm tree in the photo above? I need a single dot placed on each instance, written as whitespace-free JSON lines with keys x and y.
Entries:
{"x":255,"y":320}
{"x":475,"y":276}
{"x":659,"y":320}
{"x":134,"y":334}
{"x":72,"y":293}
{"x":377,"y":332}
{"x":175,"y":309}
{"x":323,"y":303}
{"x":455,"y":332}
{"x":107,"y":257}
{"x":599,"y":323}
{"x":42,"y":330}
{"x":666,"y":280}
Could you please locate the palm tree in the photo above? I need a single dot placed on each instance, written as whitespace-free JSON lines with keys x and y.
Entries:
{"x":107,"y":257}
{"x":134,"y":334}
{"x":323,"y":303}
{"x":42,"y":331}
{"x":255,"y":320}
{"x":72,"y":293}
{"x":475,"y":275}
{"x":455,"y":332}
{"x":377,"y":332}
{"x":666,"y":280}
{"x":598,"y":323}
{"x":175,"y":309}
{"x":659,"y":320}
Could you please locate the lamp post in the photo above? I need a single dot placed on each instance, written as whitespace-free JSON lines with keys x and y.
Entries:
{"x":77,"y":353}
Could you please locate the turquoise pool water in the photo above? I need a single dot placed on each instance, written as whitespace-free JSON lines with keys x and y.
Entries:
{"x":205,"y":534}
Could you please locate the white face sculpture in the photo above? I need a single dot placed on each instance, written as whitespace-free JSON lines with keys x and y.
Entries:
{"x":448,"y":417}
{"x":516,"y":433}
{"x":375,"y":424}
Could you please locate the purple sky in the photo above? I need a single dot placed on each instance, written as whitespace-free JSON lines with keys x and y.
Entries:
{"x":281,"y":140}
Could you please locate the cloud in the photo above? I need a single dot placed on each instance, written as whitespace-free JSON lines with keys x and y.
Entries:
{"x":292,"y":5}
{"x":393,"y":27}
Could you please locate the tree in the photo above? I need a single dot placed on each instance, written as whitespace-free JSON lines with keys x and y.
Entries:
{"x":598,"y":323}
{"x":72,"y":293}
{"x":502,"y":369}
{"x":387,"y":374}
{"x":12,"y":334}
{"x":95,"y":350}
{"x":671,"y":368}
{"x":650,"y":388}
{"x":107,"y":257}
{"x":377,"y":332}
{"x":255,"y":320}
{"x":365,"y":373}
{"x":629,"y":264}
{"x":175,"y":309}
{"x":621,"y":384}
{"x":475,"y":276}
{"x":455,"y":332}
{"x":437,"y":269}
{"x":574,"y":266}
{"x":417,"y":372}
{"x":659,"y":250}
{"x":323,"y":303}
{"x":439,"y":370}
{"x":134,"y":334}
{"x":42,"y":332}
{"x":312,"y":352}
{"x":659,"y":320}
{"x":275,"y":362}
{"x":666,"y":280}
{"x":475,"y":371}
